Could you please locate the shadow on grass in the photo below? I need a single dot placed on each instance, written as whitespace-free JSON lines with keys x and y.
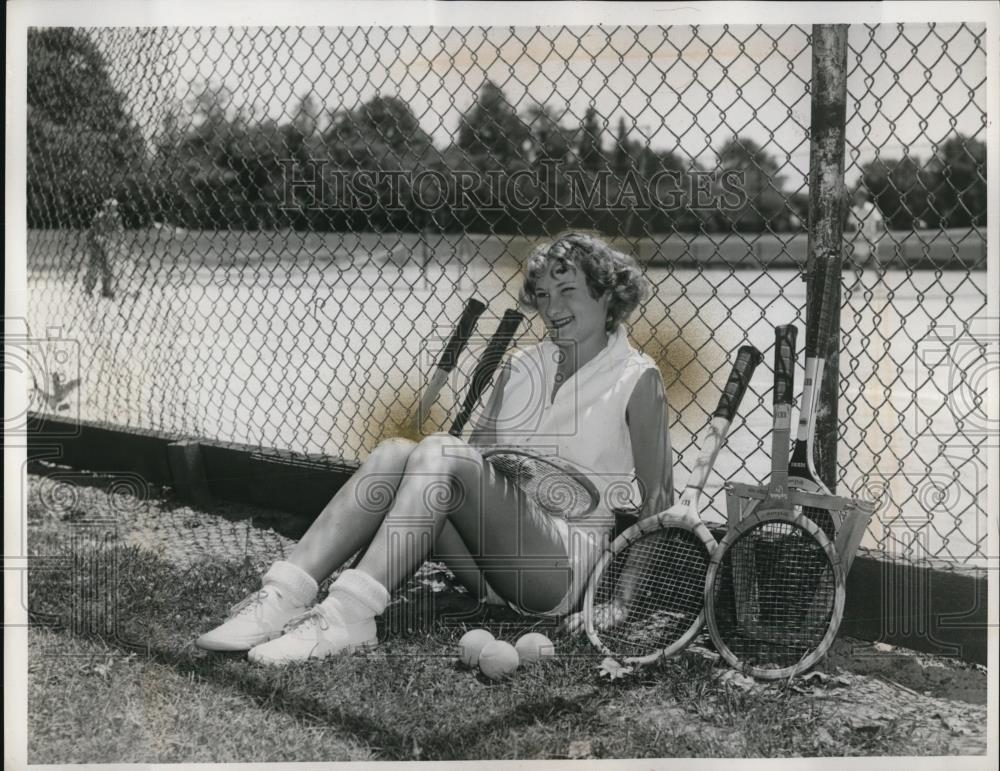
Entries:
{"x":157,"y":498}
{"x":410,"y":699}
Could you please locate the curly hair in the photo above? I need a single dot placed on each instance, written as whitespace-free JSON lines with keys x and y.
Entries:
{"x":605,"y":270}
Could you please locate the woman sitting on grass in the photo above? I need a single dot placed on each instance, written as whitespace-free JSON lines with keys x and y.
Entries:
{"x":583,"y":394}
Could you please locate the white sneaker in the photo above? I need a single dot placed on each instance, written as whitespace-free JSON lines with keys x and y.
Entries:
{"x":313,"y":635}
{"x":254,"y":620}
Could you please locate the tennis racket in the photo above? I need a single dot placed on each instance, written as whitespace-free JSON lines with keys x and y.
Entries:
{"x":554,"y":485}
{"x":774,"y":595}
{"x":777,"y":500}
{"x":802,"y":468}
{"x":448,"y":359}
{"x":645,"y":596}
{"x":482,"y":376}
{"x":774,"y":589}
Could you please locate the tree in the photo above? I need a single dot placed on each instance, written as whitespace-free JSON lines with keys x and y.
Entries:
{"x":390,"y":121}
{"x":898,"y":190}
{"x":765,"y":207}
{"x":378,"y":134}
{"x":956,"y":182}
{"x":382,"y":134}
{"x":626,"y":151}
{"x":304,"y":125}
{"x":551,"y":141}
{"x":589,"y":149}
{"x":491,"y":133}
{"x":82,"y":142}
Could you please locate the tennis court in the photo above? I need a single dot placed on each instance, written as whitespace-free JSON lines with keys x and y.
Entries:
{"x":326,"y":335}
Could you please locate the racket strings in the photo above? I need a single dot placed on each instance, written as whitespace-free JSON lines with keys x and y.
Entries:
{"x":662,"y":578}
{"x":823,"y":520}
{"x":774,"y":595}
{"x":546,"y":485}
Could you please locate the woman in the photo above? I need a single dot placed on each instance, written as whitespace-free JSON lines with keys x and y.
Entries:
{"x":583,"y":393}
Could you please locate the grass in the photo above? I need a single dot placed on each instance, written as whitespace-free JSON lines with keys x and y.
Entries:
{"x":148,"y":711}
{"x":114,"y":677}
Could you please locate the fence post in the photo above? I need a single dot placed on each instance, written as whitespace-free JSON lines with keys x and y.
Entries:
{"x":826,"y":225}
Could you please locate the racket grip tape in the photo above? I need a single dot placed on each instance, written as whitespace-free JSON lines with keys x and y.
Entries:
{"x":784,"y":363}
{"x":487,"y":367}
{"x":460,"y":337}
{"x":747,"y":359}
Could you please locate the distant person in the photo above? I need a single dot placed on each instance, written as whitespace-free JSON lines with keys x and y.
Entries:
{"x":104,"y":238}
{"x":865,"y":226}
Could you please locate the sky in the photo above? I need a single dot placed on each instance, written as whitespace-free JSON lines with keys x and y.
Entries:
{"x":686,"y":89}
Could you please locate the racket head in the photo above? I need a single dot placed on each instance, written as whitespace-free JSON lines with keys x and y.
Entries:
{"x":670,"y":554}
{"x":774,"y":594}
{"x":554,"y":485}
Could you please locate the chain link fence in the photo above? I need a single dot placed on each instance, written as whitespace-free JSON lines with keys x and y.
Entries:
{"x":300,"y":215}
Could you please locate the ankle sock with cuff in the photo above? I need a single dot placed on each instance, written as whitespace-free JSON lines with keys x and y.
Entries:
{"x":356,"y":596}
{"x":300,"y":586}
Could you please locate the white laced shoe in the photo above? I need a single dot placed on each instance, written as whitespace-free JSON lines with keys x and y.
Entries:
{"x":254,"y":620}
{"x":314,"y":635}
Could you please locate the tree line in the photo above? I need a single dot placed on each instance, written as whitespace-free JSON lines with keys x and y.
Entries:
{"x":528,"y":172}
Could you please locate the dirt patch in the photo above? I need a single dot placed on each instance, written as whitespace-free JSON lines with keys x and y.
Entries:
{"x":937,"y":676}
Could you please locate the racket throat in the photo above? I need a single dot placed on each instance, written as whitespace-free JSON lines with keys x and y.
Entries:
{"x":689,"y":499}
{"x":780,"y":451}
{"x":802,"y":466}
{"x":810,"y":400}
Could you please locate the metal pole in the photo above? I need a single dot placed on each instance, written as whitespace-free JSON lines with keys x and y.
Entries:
{"x":826,"y":201}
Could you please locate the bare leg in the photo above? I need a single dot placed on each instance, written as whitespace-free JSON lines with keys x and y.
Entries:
{"x":345,"y":525}
{"x":523,"y":555}
{"x":452,"y":551}
{"x":348,"y":522}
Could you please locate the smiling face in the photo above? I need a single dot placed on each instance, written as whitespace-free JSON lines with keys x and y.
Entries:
{"x":571,"y":314}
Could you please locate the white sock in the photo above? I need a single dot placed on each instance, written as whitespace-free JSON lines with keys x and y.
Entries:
{"x":355,"y":596}
{"x":297,"y":583}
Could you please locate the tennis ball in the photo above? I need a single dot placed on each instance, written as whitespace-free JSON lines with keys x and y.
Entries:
{"x":534,"y":647}
{"x":498,"y":659}
{"x":471,"y":644}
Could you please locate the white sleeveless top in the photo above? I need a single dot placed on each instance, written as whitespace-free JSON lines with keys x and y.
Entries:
{"x":585,"y":423}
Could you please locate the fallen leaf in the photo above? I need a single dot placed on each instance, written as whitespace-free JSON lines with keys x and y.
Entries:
{"x":579,"y":750}
{"x":613,"y":670}
{"x":864,"y":723}
{"x":738,"y":680}
{"x":823,"y":736}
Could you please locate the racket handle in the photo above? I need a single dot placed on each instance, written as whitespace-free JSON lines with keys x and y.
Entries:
{"x":487,"y":367}
{"x":822,"y":308}
{"x":460,"y":337}
{"x":784,"y":363}
{"x":448,"y":359}
{"x":747,"y":359}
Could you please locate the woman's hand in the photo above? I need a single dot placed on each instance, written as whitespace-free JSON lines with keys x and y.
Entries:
{"x":606,"y":616}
